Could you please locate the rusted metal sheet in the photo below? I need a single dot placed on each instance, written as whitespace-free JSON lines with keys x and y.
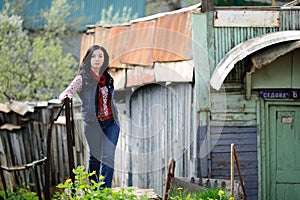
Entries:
{"x":139,"y":76}
{"x":86,"y":42}
{"x":165,"y":37}
{"x":246,"y":18}
{"x":162,"y":72}
{"x":174,"y":71}
{"x":244,"y":49}
{"x":116,"y":44}
{"x":113,"y":39}
{"x":101,"y":35}
{"x":139,"y":47}
{"x":168,"y":38}
{"x":173,"y":38}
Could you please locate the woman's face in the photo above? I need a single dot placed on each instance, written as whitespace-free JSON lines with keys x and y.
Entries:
{"x":97,"y":60}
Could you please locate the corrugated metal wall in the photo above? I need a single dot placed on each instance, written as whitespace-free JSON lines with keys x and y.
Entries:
{"x":228,"y":37}
{"x":158,"y":127}
{"x":225,"y":38}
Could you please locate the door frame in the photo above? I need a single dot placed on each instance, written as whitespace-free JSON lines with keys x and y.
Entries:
{"x":264,"y":162}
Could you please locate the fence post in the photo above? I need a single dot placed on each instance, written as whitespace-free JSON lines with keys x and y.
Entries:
{"x":232,"y":169}
{"x":70,"y":136}
{"x":240,"y":174}
{"x":48,"y":160}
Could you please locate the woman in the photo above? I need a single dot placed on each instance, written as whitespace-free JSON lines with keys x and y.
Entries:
{"x":94,"y":86}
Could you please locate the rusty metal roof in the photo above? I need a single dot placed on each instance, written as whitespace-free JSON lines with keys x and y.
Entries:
{"x":246,"y":48}
{"x":164,"y":37}
{"x":156,"y":48}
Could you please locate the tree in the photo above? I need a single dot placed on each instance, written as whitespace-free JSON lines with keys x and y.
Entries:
{"x":107,"y":16}
{"x":34,"y":68}
{"x":157,"y":6}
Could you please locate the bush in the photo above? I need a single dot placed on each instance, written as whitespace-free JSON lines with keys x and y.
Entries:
{"x":18,"y":194}
{"x":211,"y":193}
{"x":79,"y":189}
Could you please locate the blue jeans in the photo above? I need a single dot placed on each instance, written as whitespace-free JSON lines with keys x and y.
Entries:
{"x":106,"y":169}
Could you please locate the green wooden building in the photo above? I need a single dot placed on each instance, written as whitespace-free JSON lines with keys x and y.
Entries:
{"x":247,"y":87}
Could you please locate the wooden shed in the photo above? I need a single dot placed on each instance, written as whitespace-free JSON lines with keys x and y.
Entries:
{"x":192,"y":81}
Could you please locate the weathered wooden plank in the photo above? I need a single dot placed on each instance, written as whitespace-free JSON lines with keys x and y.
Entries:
{"x":242,"y":156}
{"x":231,"y":105}
{"x":226,"y":165}
{"x":226,"y":173}
{"x":236,"y":103}
{"x":32,"y":135}
{"x":234,"y":136}
{"x":247,"y":18}
{"x":219,"y":99}
{"x":251,"y":185}
{"x":233,"y":116}
{"x":233,"y":123}
{"x":237,"y":142}
{"x":240,"y":148}
{"x":233,"y":129}
{"x":233,"y":109}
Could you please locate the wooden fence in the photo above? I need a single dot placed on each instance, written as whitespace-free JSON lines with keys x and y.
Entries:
{"x":23,"y":135}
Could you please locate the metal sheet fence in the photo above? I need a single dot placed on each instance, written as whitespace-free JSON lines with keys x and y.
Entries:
{"x":158,"y":127}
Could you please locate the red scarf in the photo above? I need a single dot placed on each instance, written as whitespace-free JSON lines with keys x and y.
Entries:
{"x":104,"y":98}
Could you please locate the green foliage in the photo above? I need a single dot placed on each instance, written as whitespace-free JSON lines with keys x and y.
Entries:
{"x":179,"y":194}
{"x":107,"y":16}
{"x":16,"y":7}
{"x":32,"y":68}
{"x":19,"y":194}
{"x":211,"y":193}
{"x":58,"y":24}
{"x":79,"y":189}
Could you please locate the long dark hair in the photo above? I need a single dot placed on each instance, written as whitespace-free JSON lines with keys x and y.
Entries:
{"x":86,"y":62}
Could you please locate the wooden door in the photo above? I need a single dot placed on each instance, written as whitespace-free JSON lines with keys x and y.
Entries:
{"x":284,"y":152}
